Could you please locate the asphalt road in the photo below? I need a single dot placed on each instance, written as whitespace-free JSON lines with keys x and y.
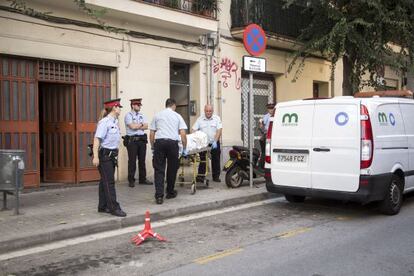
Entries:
{"x":317,"y":237}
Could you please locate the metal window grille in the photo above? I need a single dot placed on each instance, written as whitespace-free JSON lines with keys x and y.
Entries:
{"x":263,"y":93}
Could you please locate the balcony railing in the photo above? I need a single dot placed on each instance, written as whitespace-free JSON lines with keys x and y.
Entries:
{"x":270,"y":15}
{"x":206,"y":8}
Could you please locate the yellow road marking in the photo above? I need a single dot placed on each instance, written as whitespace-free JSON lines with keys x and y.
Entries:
{"x":293,"y":233}
{"x":344,"y":218}
{"x":225,"y":253}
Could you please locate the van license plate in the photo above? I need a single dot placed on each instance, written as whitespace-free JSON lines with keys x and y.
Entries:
{"x":292,"y":158}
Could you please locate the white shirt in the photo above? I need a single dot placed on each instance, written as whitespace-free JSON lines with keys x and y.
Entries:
{"x":209,"y":126}
{"x":136,"y":118}
{"x":167,"y":124}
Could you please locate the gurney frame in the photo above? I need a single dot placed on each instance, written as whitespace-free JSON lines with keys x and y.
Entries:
{"x":194,"y":158}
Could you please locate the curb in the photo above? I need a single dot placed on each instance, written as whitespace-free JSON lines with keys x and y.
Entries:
{"x":25,"y":242}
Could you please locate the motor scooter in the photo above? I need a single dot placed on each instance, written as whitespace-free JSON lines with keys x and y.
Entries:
{"x":237,"y":167}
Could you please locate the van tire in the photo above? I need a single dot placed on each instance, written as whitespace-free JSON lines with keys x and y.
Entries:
{"x":295,"y":198}
{"x":391,"y":204}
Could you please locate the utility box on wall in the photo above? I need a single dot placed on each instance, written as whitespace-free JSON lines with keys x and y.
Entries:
{"x":10,"y":161}
{"x":193,"y":108}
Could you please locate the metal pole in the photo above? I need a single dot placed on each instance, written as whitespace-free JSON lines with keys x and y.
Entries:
{"x":4,"y":201}
{"x":251,"y":130}
{"x":16,"y":191}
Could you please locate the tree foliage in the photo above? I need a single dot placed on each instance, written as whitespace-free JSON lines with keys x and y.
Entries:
{"x":367,"y":34}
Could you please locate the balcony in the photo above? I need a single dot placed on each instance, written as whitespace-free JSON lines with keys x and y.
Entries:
{"x":207,"y":8}
{"x":195,"y":17}
{"x":280,"y":24}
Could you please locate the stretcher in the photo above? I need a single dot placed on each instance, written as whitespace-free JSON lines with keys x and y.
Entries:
{"x":193,"y":159}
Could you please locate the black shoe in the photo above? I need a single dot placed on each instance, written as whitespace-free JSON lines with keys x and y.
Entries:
{"x":145,"y":182}
{"x":159,"y":200}
{"x":118,"y":213}
{"x":171,"y":195}
{"x":216,"y":179}
{"x":131,"y":184}
{"x":104,"y":210}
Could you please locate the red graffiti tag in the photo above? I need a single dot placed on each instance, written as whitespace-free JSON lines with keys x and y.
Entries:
{"x":226,"y":69}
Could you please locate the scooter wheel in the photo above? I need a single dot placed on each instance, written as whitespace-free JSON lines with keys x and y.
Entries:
{"x":233,"y":178}
{"x":193,"y":188}
{"x":207,"y":182}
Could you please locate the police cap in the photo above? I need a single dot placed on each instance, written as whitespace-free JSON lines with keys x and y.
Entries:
{"x":112,"y":103}
{"x":136,"y":101}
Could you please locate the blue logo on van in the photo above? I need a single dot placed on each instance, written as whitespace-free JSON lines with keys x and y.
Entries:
{"x":392,"y":119}
{"x":341,"y":119}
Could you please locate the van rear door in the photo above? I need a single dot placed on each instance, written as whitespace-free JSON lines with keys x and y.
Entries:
{"x":291,"y":144}
{"x":336,"y":145}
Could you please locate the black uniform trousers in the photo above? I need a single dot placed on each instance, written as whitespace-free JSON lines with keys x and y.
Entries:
{"x":215,"y":162}
{"x":165,"y":153}
{"x":262,"y":142}
{"x":136,"y":148}
{"x":107,"y":193}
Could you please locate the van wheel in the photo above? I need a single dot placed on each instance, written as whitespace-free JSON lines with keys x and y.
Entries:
{"x":392,"y":202}
{"x":233,"y":178}
{"x":295,"y":198}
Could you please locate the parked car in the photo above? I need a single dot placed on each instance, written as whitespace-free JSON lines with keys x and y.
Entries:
{"x":357,"y":149}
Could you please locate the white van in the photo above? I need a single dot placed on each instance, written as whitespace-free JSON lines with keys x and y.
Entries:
{"x":359,"y":149}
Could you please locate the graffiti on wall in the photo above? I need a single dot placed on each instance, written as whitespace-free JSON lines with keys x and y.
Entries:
{"x":227,"y":70}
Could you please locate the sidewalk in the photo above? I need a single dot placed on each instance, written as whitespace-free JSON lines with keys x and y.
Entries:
{"x":57,"y":214}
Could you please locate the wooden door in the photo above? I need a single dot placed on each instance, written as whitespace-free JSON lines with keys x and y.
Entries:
{"x":19,"y":128}
{"x":92,"y":89}
{"x":58,"y":132}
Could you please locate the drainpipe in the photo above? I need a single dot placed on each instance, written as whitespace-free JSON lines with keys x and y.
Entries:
{"x":206,"y":70}
{"x":212,"y":99}
{"x":333,"y":82}
{"x":117,"y":95}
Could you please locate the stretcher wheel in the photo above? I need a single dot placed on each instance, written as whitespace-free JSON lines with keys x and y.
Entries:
{"x":193,"y":188}
{"x":207,"y":182}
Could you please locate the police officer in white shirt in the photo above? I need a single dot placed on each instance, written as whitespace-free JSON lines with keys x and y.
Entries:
{"x":264,"y":126}
{"x":210,"y":124}
{"x":135,"y":125}
{"x":105,"y":154}
{"x":165,"y":131}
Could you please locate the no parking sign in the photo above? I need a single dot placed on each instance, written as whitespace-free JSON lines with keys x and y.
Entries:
{"x":254,"y":39}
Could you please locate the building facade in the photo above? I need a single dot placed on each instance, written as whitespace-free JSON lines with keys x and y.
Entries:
{"x":57,"y":69}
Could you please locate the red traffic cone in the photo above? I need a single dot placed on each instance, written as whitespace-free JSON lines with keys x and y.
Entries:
{"x":147,"y":232}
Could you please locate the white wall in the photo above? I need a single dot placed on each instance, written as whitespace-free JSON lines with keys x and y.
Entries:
{"x":141,"y":66}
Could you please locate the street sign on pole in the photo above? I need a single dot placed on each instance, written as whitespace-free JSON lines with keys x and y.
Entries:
{"x":254,"y":40}
{"x":254,"y":64}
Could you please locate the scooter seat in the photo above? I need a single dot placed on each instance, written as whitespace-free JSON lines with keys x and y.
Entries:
{"x":245,"y":149}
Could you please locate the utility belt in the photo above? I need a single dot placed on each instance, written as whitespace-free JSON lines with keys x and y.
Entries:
{"x":142,"y":137}
{"x":108,"y":152}
{"x":109,"y":155}
{"x":134,"y":138}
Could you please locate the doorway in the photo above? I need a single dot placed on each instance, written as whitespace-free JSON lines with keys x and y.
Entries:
{"x":264,"y":92}
{"x":57,"y":126}
{"x":180,"y":89}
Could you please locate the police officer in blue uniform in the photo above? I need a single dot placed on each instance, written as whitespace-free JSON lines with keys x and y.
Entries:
{"x":165,"y":130}
{"x":135,"y":124}
{"x":105,"y":156}
{"x":264,"y":126}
